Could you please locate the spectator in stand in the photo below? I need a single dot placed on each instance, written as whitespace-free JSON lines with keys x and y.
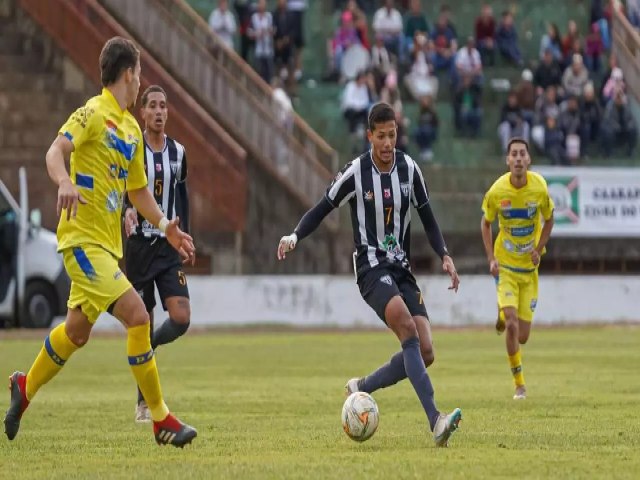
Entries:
{"x":590,"y":117}
{"x":554,"y":142}
{"x":593,"y":49}
{"x":244,"y":12}
{"x":359,"y":22}
{"x":526,"y":94}
{"x":507,"y":39}
{"x":613,"y":85}
{"x":485,"y":28}
{"x":297,"y":9}
{"x":345,"y":37}
{"x":613,"y":63}
{"x":389,"y":93}
{"x":223,"y":23}
{"x":468,"y":63}
{"x":381,"y":61}
{"x":261,"y":31}
{"x":283,"y":26}
{"x":569,"y":123}
{"x":618,"y":125}
{"x":548,"y":73}
{"x":575,"y":77}
{"x":546,"y":107}
{"x":512,"y":122}
{"x":415,"y":24}
{"x":420,"y":81}
{"x":445,"y":42}
{"x":551,"y":41}
{"x":633,"y":12}
{"x":387,"y":22}
{"x":283,"y":109}
{"x":568,"y":42}
{"x":445,"y":11}
{"x":355,"y":107}
{"x":466,"y":108}
{"x":427,"y":128}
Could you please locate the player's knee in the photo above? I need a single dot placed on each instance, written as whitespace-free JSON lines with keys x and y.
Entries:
{"x":138,"y":317}
{"x":78,"y":337}
{"x":523,"y":337}
{"x":512,"y":326}
{"x":181,"y":316}
{"x":427,"y":356}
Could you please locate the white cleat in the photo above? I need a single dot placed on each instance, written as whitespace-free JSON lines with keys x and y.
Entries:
{"x":143,"y":415}
{"x":521,"y":393}
{"x":351,"y":386}
{"x":445,"y":426}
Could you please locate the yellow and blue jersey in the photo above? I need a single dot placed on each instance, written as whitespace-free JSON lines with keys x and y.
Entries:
{"x":107,"y":160}
{"x":519,"y":212}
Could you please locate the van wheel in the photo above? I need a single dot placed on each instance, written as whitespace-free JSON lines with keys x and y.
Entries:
{"x":39,"y":306}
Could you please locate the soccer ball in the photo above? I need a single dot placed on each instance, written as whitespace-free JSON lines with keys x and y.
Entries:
{"x":360,"y":416}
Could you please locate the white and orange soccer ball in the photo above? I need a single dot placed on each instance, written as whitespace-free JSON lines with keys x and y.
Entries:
{"x":360,"y":416}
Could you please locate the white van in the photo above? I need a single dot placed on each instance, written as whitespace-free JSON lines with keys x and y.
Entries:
{"x":34,"y":286}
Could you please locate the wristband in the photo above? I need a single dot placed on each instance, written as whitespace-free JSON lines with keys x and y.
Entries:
{"x":163,"y":224}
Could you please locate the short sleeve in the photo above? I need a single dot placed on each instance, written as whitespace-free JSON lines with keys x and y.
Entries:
{"x":81,"y":126}
{"x":137,"y":177}
{"x":546,"y":205}
{"x":488,"y":207}
{"x":420,"y":196}
{"x":343,"y":186}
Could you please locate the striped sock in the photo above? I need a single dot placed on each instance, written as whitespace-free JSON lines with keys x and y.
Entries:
{"x":143,"y":366}
{"x":53,"y":355}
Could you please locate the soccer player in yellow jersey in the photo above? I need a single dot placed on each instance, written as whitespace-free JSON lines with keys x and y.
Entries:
{"x":520,"y":199}
{"x":105,"y":146}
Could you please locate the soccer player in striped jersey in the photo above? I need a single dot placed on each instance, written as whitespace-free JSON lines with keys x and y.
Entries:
{"x":149,"y":257}
{"x":104,"y":143}
{"x":520,"y":200}
{"x":380,"y":187}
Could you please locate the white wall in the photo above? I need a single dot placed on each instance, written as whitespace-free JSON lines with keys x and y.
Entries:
{"x":335,"y":301}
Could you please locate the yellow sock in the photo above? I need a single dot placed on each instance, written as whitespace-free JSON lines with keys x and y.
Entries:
{"x":55,"y":352}
{"x":515,"y":362}
{"x":143,"y":366}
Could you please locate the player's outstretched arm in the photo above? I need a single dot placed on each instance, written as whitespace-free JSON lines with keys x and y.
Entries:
{"x":308,"y":223}
{"x":68,"y":195}
{"x":146,"y":205}
{"x":436,"y":240}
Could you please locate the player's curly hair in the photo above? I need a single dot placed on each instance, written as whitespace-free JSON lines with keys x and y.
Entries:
{"x":117,"y":55}
{"x":381,"y":112}
{"x":150,"y":89}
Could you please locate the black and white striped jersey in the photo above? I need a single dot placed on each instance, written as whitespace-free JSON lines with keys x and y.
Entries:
{"x":380,"y":207}
{"x":164,"y":170}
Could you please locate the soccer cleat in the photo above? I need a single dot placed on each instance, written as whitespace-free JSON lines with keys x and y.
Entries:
{"x":521,"y":393}
{"x":172,"y":431}
{"x":445,"y":426}
{"x":19,"y":403}
{"x":351,"y":386}
{"x":143,"y":415}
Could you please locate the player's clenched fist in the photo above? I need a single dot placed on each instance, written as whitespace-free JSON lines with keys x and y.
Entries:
{"x":287,"y":243}
{"x":68,"y":198}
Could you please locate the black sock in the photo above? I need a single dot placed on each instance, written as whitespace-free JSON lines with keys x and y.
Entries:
{"x":417,"y":373}
{"x":388,"y":374}
{"x":168,"y":332}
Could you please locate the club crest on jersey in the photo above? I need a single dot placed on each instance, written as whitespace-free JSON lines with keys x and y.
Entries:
{"x":387,"y":193}
{"x":386,"y":279}
{"x":113,"y":201}
{"x":158,"y":167}
{"x":113,"y":170}
{"x":404,"y":188}
{"x":368,"y":195}
{"x":534,"y":303}
{"x":174,"y":167}
{"x":505,"y":203}
{"x":532,"y":209}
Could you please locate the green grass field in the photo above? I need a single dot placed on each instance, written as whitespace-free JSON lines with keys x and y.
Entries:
{"x":267,"y":405}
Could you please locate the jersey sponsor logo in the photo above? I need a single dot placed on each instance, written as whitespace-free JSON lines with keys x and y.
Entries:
{"x":368,"y":195}
{"x":81,"y":117}
{"x":113,"y":201}
{"x":117,"y":275}
{"x":387,"y":193}
{"x":522,"y":213}
{"x":506,"y":203}
{"x":518,"y":248}
{"x":113,"y":170}
{"x":118,"y":144}
{"x":522,"y":231}
{"x":386,"y":279}
{"x":404,"y":188}
{"x":391,"y":246}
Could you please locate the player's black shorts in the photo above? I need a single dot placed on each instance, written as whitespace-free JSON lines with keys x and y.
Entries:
{"x":154,"y":260}
{"x":380,"y":284}
{"x":297,"y":28}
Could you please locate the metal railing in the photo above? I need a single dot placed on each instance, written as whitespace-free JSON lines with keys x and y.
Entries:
{"x":229,"y":90}
{"x":217,"y":163}
{"x":626,"y":46}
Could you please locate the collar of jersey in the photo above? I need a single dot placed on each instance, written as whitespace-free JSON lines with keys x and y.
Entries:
{"x":109,"y":98}
{"x":376,"y":167}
